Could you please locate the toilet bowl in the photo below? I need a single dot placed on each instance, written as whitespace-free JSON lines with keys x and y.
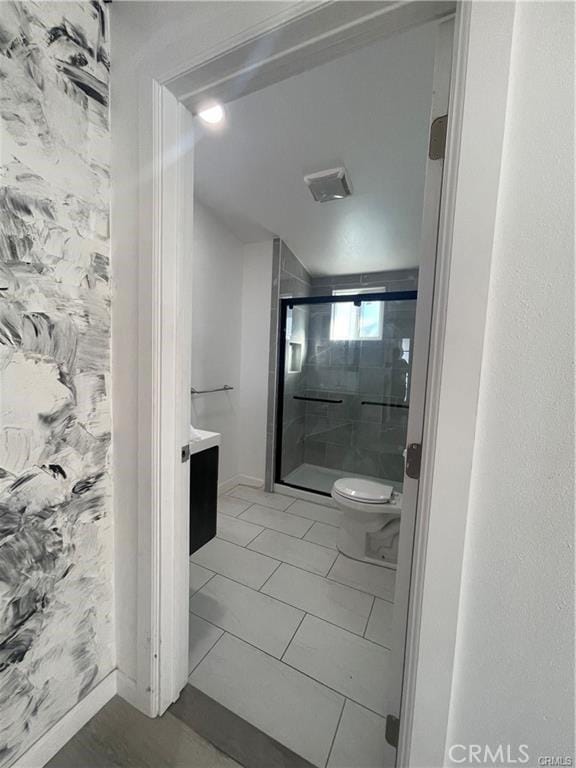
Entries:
{"x":369,"y":520}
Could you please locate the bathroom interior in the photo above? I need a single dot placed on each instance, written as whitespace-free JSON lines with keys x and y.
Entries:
{"x":308,"y":208}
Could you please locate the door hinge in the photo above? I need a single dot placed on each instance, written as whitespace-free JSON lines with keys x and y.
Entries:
{"x":392,"y":730}
{"x":438,"y":130}
{"x":185,"y":453}
{"x":413,"y":460}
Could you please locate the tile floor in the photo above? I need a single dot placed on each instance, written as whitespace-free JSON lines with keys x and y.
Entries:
{"x":291,"y":635}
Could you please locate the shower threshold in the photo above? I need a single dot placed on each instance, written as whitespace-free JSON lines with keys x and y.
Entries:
{"x":321,"y":479}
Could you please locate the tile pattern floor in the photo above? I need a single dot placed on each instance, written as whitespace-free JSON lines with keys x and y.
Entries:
{"x":291,"y":635}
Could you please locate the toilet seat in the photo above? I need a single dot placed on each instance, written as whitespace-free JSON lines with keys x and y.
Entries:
{"x":362,"y":492}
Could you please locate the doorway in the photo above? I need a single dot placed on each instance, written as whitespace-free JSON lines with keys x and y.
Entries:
{"x":274,"y":583}
{"x":431,"y":207}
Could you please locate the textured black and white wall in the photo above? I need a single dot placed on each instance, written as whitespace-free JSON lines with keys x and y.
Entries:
{"x":56,"y":638}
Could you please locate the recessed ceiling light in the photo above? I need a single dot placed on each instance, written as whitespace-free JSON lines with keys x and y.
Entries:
{"x":212,"y":115}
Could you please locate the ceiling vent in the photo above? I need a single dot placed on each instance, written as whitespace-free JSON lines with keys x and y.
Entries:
{"x":328,"y":185}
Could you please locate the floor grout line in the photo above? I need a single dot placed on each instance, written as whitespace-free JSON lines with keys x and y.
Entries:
{"x":359,"y":589}
{"x":191,"y":593}
{"x":320,"y":682}
{"x":335,"y":732}
{"x":270,"y":509}
{"x":302,"y":517}
{"x":293,"y":635}
{"x":247,"y":545}
{"x":368,"y":619}
{"x":280,"y":563}
{"x":209,"y":649}
{"x":307,"y":541}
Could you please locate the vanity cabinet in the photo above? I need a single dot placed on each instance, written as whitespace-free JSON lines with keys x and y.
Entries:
{"x":203,"y":492}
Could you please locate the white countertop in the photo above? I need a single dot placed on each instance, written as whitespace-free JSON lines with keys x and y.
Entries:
{"x":201,"y":439}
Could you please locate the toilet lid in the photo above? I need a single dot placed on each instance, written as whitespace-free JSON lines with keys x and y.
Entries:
{"x":363,"y":490}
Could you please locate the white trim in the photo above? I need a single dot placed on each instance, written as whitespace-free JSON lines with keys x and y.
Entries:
{"x":467,"y":226}
{"x":458,"y":79}
{"x":276,"y":21}
{"x":170,"y":400}
{"x":422,"y":403}
{"x":60,"y":734}
{"x":227,"y":485}
{"x":316,"y":37}
{"x":164,"y":345}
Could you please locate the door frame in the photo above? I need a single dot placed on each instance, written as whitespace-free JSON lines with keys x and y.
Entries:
{"x":479,"y":92}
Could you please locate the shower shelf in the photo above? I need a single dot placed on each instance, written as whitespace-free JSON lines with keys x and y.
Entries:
{"x":316,"y":399}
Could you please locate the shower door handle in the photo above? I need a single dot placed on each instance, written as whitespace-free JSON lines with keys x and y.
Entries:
{"x":316,"y":399}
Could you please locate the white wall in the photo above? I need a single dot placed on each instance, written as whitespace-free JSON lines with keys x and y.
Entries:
{"x":217,"y":273}
{"x":230,"y":342}
{"x":514,"y":670}
{"x":256,"y":300}
{"x":155,"y":38}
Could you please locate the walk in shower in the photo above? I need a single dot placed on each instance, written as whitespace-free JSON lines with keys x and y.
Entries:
{"x":343,"y":388}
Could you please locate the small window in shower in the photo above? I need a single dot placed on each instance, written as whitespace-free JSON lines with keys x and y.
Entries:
{"x":352,"y":323}
{"x":294,"y":358}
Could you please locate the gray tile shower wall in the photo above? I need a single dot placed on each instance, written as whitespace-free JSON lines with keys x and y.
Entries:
{"x":289,"y":279}
{"x":397,"y":280}
{"x":349,"y":435}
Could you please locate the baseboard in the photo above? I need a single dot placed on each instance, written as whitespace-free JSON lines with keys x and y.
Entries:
{"x":253,"y":482}
{"x":60,"y":734}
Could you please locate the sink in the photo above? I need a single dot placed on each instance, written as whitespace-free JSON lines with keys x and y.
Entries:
{"x":201,"y":439}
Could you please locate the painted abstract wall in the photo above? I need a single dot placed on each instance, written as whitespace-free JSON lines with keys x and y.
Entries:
{"x":56,"y":634}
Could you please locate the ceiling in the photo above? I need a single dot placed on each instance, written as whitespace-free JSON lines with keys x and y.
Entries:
{"x":368,"y":111}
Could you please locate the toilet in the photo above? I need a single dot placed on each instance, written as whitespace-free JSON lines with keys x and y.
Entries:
{"x":369,"y":520}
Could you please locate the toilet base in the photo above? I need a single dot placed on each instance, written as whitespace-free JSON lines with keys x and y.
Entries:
{"x":354,"y":547}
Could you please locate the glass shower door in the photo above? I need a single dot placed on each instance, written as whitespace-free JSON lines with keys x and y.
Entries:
{"x":344,"y":386}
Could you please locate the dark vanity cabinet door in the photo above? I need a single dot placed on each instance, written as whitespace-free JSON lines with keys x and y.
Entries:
{"x":203,"y":497}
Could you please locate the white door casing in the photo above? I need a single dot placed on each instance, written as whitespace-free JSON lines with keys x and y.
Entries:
{"x":420,"y":363}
